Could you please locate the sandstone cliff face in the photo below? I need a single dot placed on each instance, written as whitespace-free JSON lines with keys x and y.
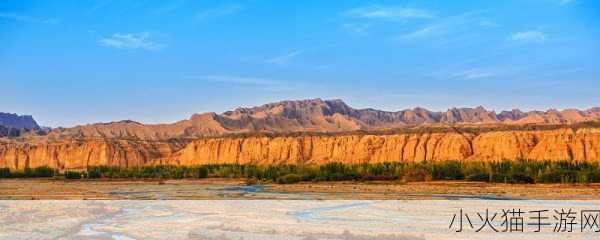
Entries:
{"x":77,"y":154}
{"x":320,"y":149}
{"x":561,"y":144}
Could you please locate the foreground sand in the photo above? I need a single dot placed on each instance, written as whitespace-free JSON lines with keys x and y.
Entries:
{"x":272,"y":219}
{"x":230,"y":209}
{"x":26,"y":189}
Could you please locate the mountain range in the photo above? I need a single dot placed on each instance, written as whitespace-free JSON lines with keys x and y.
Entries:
{"x":203,"y":139}
{"x":317,"y":115}
{"x":312,"y":115}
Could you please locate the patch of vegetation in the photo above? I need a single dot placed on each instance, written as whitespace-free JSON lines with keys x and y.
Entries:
{"x":517,"y":172}
{"x":202,"y":172}
{"x":38,"y":172}
{"x":4,"y":172}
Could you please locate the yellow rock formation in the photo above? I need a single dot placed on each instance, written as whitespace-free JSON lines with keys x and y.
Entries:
{"x":561,"y":144}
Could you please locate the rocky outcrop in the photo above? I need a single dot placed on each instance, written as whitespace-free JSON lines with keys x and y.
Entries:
{"x":13,"y":125}
{"x":560,"y":144}
{"x":15,"y":121}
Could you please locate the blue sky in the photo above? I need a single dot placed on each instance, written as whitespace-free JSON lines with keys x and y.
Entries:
{"x":75,"y":62}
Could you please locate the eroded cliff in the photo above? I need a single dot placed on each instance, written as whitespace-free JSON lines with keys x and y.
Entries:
{"x":560,"y":144}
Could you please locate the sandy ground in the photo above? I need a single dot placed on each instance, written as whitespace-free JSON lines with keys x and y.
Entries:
{"x":39,"y":189}
{"x":274,"y":219}
{"x":231,"y":210}
{"x":446,"y":190}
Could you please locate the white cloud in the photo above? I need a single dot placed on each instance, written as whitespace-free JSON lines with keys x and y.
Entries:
{"x":130,"y":41}
{"x":388,"y":13}
{"x":24,"y":18}
{"x":285,"y":58}
{"x":219,"y":12}
{"x":529,"y":36}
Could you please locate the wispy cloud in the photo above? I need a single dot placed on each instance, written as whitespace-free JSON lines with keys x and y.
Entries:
{"x":219,"y":12}
{"x":169,"y":7}
{"x":100,"y":4}
{"x":488,"y":23}
{"x":357,"y":28}
{"x":233,"y":79}
{"x":388,"y":13}
{"x":422,"y":32}
{"x":529,"y":36}
{"x":474,"y":73}
{"x":285,"y":58}
{"x":444,"y":25}
{"x":25,"y":18}
{"x":130,"y":41}
{"x":252,"y":82}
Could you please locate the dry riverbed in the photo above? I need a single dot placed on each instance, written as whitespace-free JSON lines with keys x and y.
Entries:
{"x":272,"y":219}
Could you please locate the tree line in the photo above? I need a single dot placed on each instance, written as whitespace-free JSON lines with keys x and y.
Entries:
{"x":520,"y":171}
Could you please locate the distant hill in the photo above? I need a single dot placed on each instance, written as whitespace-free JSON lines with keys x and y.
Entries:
{"x":14,"y":125}
{"x":11,"y":120}
{"x":317,"y":115}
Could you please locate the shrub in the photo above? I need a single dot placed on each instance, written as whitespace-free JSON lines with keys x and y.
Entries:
{"x":94,"y":172}
{"x":500,"y":178}
{"x":202,"y":172}
{"x":72,"y":175}
{"x":593,"y":177}
{"x":569,"y":176}
{"x":38,"y":172}
{"x":521,"y":178}
{"x":27,"y":172}
{"x":5,"y":172}
{"x":479,"y":177}
{"x":289,"y":179}
{"x":337,"y":172}
{"x":447,"y":170}
{"x":416,"y":175}
{"x":549,"y":177}
{"x":17,"y":174}
{"x":43,"y":172}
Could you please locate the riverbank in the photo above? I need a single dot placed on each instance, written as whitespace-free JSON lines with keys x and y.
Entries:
{"x":210,"y":189}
